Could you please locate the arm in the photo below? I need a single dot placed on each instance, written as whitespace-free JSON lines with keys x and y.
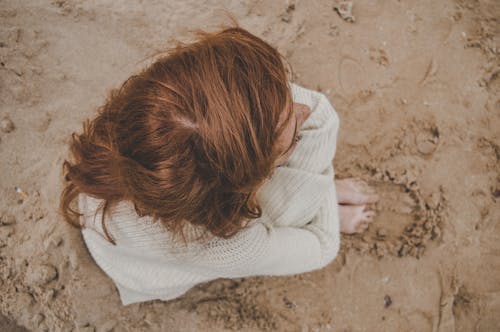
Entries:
{"x":293,"y":196}
{"x":301,"y":183}
{"x":316,"y":150}
{"x":266,"y":249}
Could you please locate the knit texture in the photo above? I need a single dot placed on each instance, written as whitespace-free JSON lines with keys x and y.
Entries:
{"x":298,"y":231}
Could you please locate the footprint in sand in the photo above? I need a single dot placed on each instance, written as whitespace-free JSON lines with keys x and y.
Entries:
{"x":419,"y":138}
{"x":427,"y":140}
{"x":395,"y":211}
{"x":406,"y":220}
{"x":352,"y":76}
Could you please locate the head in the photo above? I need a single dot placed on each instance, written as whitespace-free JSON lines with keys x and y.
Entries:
{"x":290,"y":136}
{"x":192,"y":137}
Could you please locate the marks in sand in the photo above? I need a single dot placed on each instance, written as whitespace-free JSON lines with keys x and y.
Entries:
{"x":351,"y":75}
{"x":408,"y":219}
{"x":233,"y":303}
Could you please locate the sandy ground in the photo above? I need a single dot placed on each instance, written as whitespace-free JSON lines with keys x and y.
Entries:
{"x":416,"y":85}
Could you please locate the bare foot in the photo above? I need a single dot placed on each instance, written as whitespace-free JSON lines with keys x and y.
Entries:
{"x":354,"y":191}
{"x":355,"y":218}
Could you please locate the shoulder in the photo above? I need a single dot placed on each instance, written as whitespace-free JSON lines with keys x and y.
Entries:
{"x":316,"y":150}
{"x":323,"y":114}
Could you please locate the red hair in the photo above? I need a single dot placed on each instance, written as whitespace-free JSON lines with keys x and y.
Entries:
{"x":190,"y":138}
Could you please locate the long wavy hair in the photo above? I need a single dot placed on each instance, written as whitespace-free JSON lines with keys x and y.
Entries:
{"x":189,"y":139}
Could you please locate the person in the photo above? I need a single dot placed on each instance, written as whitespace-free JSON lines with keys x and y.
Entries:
{"x":210,"y":163}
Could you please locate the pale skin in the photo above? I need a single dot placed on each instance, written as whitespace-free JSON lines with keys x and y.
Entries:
{"x":354,"y":195}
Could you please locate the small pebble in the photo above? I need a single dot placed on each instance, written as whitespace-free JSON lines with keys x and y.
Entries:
{"x":381,"y":250}
{"x":344,"y":8}
{"x":362,"y":247}
{"x":428,"y":225}
{"x":381,"y":233}
{"x":24,"y":300}
{"x":403,"y":251}
{"x":387,"y":301}
{"x":287,"y":17}
{"x":7,"y":219}
{"x":53,"y":242}
{"x":37,"y":319}
{"x":49,"y":295}
{"x":6,"y":232}
{"x":289,"y":304}
{"x":107,"y":326}
{"x":39,"y":275}
{"x":433,"y":200}
{"x":436,"y":233}
{"x":6,"y":125}
{"x":416,"y":232}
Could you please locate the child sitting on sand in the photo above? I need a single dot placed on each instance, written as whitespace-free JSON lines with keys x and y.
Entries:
{"x":210,"y":164}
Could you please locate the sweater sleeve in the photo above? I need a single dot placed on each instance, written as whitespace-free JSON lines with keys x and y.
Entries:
{"x":266,"y":249}
{"x":316,"y":150}
{"x":291,"y":197}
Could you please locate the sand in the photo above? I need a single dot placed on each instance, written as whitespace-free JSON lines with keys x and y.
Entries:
{"x":416,"y":85}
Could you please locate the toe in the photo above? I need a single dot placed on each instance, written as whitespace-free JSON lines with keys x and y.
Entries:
{"x":362,"y":227}
{"x":358,"y":180}
{"x":368,"y":209}
{"x":369,"y":216}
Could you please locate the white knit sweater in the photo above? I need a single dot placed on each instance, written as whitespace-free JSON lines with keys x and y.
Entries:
{"x":298,"y":231}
